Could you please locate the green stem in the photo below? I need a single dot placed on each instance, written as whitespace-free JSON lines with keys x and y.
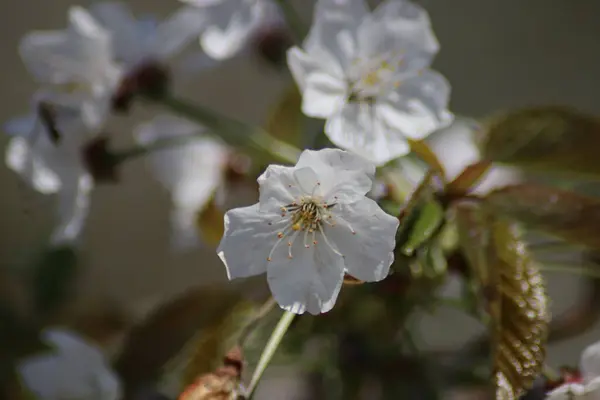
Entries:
{"x":293,"y":19}
{"x":141,"y":150}
{"x":235,"y":133}
{"x":269,"y":350}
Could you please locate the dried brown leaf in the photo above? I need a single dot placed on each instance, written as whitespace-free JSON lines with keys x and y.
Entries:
{"x":570,"y":216}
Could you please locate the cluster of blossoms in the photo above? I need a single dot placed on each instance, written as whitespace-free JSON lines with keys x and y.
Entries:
{"x":365,"y":72}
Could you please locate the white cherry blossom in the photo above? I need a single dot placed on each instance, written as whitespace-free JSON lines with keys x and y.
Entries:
{"x":53,"y":162}
{"x":367,"y":75}
{"x":230,"y":23}
{"x":577,"y":391}
{"x":312,"y":224}
{"x":75,"y":64}
{"x":192,"y":172}
{"x":589,"y":388}
{"x":75,"y":369}
{"x":456,"y":148}
{"x":146,"y":40}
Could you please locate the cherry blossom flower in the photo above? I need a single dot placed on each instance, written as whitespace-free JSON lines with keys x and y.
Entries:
{"x":75,"y":65}
{"x":46,"y":150}
{"x":312,"y":224}
{"x":230,"y":24}
{"x":192,"y":172}
{"x":456,"y":148}
{"x":139,"y":41}
{"x":589,"y":388}
{"x":367,"y":75}
{"x":75,"y":369}
{"x":147,"y":47}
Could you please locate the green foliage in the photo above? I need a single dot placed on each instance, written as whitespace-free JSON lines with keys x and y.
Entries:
{"x":550,"y":138}
{"x":567,"y":215}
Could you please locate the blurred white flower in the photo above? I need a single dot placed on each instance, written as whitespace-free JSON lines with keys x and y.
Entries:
{"x":230,"y":24}
{"x":74,"y":369}
{"x":456,"y":149}
{"x":367,"y":74}
{"x":577,"y":391}
{"x":590,"y":362}
{"x":46,"y":150}
{"x":312,"y":224}
{"x":75,"y":64}
{"x":589,"y":388}
{"x":146,"y":41}
{"x":192,"y":172}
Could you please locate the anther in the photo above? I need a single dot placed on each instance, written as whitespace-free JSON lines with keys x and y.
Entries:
{"x":280,"y":235}
{"x":269,"y":258}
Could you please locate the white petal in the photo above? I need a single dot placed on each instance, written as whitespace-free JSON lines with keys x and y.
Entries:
{"x":359,"y":128}
{"x":21,"y":158}
{"x":20,"y":126}
{"x":192,"y":171}
{"x":177,"y":31}
{"x":569,"y":391}
{"x":333,"y":44}
{"x":118,"y":19}
{"x":82,"y":22}
{"x":278,"y":186}
{"x":400,"y":26}
{"x":307,"y":180}
{"x":74,"y":368}
{"x":456,"y":149}
{"x":301,"y":65}
{"x":592,"y":389}
{"x":74,"y":202}
{"x":184,"y":233}
{"x":323,"y":95}
{"x":231,"y":30}
{"x":310,"y":281}
{"x":590,"y":362}
{"x":336,"y":159}
{"x":418,"y":106}
{"x":368,"y":253}
{"x":48,"y":57}
{"x":342,"y":174}
{"x":248,"y":240}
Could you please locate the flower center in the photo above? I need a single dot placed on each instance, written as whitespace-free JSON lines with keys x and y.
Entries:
{"x":369,"y":78}
{"x":309,"y":216}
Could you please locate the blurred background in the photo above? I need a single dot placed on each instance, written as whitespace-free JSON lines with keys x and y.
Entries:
{"x":497,"y":54}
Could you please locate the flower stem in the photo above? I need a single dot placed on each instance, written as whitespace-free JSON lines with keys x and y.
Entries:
{"x":269,"y":350}
{"x":293,"y":20}
{"x":234,"y":132}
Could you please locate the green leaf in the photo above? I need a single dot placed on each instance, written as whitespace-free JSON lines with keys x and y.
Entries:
{"x":544,"y":138}
{"x":53,"y":278}
{"x":567,"y":215}
{"x":430,"y":218}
